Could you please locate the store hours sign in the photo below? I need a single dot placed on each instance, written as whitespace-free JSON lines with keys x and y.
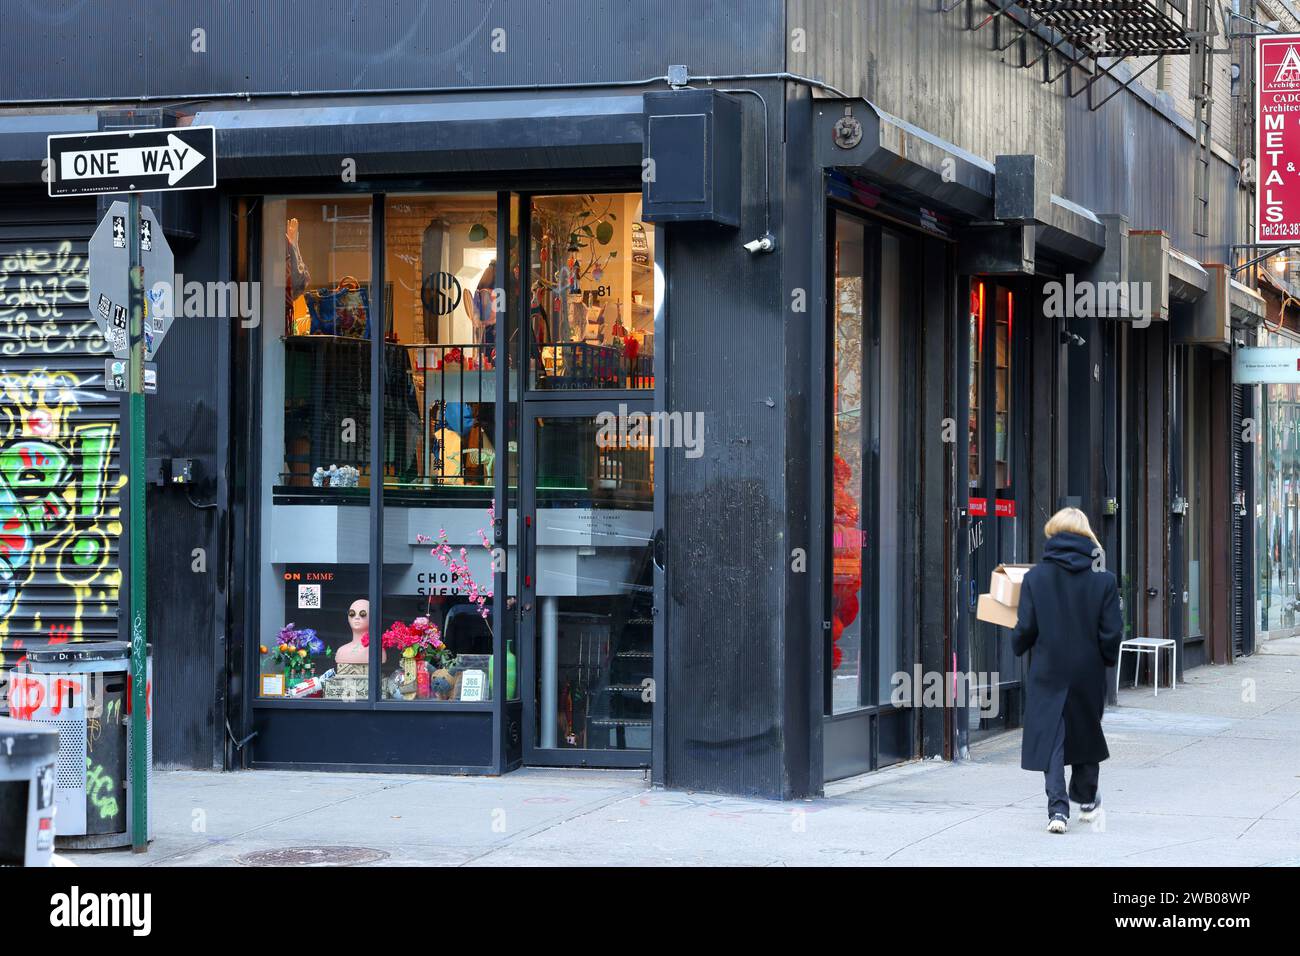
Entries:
{"x":1277,"y":190}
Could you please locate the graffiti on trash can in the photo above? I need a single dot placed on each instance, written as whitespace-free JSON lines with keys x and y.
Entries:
{"x":100,"y":792}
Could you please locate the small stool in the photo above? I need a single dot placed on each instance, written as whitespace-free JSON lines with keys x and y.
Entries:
{"x":1152,"y":646}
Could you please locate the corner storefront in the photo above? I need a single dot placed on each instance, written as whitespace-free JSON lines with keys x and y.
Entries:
{"x":449,"y":503}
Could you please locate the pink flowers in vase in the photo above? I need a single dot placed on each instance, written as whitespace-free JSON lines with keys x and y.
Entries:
{"x":420,"y":639}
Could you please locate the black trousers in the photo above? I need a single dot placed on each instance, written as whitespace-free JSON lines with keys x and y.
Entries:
{"x":1083,"y":779}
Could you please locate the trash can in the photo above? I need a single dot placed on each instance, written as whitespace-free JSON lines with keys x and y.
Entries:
{"x":82,"y":690}
{"x":28,"y":753}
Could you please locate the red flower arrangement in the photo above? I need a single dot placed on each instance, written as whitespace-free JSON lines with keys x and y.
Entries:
{"x":420,"y":639}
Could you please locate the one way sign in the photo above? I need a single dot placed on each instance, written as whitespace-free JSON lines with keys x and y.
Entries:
{"x":144,"y":160}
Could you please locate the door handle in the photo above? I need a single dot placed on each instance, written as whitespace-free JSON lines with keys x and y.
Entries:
{"x":659,"y":549}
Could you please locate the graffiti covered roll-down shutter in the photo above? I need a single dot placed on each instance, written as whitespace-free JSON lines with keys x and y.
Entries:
{"x":60,"y":483}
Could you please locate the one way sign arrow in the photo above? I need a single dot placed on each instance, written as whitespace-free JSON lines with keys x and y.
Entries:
{"x":146,"y":160}
{"x":175,"y":159}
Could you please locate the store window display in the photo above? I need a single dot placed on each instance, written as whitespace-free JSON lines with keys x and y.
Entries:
{"x":440,"y":255}
{"x":591,"y":293}
{"x":438,"y":329}
{"x":315,"y":440}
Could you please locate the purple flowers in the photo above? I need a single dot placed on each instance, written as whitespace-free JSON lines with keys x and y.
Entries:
{"x":304,"y":639}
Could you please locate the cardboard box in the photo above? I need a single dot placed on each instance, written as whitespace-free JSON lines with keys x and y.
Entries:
{"x":1005,"y":584}
{"x":995,"y":612}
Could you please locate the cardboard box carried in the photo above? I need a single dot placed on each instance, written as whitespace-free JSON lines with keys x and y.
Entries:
{"x":1005,"y":583}
{"x":1001,"y":604}
{"x":995,"y":612}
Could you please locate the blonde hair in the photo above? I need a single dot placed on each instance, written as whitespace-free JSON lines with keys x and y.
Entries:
{"x":1070,"y":520}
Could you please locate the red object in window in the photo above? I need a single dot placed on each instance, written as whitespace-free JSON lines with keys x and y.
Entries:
{"x":979,"y":507}
{"x":1004,"y":508}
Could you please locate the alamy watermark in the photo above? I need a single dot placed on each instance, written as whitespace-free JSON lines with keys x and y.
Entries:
{"x":974,"y":689}
{"x":197,"y":300}
{"x":626,"y":429}
{"x":1084,"y":299}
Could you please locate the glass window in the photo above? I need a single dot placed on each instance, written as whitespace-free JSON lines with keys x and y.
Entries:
{"x":315,"y":446}
{"x":591,"y":291}
{"x":847,"y":527}
{"x":1002,"y":384}
{"x":885,"y":424}
{"x":441,"y":447}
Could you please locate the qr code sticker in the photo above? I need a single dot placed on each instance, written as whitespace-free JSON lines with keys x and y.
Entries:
{"x":309,"y":596}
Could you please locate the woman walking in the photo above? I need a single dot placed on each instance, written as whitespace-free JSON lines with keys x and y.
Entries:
{"x":1069,"y":618}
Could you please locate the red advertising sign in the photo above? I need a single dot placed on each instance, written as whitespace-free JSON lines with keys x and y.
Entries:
{"x":1277,"y":190}
{"x":1004,"y":508}
{"x":979,"y":507}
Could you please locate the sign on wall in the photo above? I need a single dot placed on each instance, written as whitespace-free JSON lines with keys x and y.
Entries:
{"x":1277,"y":190}
{"x":1266,"y":366}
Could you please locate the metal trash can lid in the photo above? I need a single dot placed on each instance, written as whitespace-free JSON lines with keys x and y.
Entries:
{"x":25,"y":738}
{"x":74,"y":652}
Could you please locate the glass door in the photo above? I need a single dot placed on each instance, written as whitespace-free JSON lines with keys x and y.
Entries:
{"x":994,"y":526}
{"x":589,"y":583}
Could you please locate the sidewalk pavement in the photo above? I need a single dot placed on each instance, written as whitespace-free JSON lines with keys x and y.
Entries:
{"x":1205,"y":774}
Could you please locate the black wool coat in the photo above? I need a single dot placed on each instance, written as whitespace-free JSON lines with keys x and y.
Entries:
{"x":1069,"y":618}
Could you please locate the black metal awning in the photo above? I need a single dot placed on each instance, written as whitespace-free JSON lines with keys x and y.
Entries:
{"x":461,"y":133}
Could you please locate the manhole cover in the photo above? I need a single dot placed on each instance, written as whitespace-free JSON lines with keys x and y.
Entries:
{"x":313,"y":856}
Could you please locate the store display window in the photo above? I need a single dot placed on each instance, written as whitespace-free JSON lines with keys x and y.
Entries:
{"x":315,"y":448}
{"x":441,"y":321}
{"x":591,"y":293}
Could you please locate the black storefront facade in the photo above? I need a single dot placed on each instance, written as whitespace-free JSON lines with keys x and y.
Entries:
{"x":493,"y":294}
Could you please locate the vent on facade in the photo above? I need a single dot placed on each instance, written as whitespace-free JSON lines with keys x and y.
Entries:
{"x":1083,"y":41}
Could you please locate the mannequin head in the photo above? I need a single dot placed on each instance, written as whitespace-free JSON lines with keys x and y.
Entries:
{"x":359,"y":618}
{"x":354,"y":652}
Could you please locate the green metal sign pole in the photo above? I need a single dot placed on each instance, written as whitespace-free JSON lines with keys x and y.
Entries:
{"x":139,"y":565}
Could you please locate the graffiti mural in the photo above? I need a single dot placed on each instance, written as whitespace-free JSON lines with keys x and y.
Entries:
{"x":43,"y":293}
{"x":59,"y":481}
{"x":54,"y":479}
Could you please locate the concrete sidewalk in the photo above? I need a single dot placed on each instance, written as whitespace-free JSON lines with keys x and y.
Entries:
{"x":1205,"y":774}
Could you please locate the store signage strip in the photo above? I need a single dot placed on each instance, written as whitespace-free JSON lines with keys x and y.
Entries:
{"x":1277,"y":189}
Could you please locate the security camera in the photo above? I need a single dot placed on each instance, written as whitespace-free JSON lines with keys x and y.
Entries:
{"x":764,"y":243}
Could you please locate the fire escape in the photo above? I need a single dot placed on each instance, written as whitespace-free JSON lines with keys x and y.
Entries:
{"x":1086,"y":41}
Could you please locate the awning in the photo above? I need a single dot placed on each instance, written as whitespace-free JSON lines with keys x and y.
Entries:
{"x":1009,"y":204}
{"x":1248,"y":306}
{"x":1169,"y":275}
{"x":857,"y":137}
{"x":1211,"y":319}
{"x":22,"y":141}
{"x":461,"y":133}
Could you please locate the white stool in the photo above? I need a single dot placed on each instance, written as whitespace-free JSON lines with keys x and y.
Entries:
{"x":1152,"y":646}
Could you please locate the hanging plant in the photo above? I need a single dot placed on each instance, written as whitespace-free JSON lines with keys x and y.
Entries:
{"x":477,"y":232}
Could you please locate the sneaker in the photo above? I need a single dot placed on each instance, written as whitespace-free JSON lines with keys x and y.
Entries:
{"x":1089,"y":810}
{"x":1056,"y":824}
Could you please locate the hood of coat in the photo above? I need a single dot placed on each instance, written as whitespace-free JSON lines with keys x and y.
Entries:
{"x":1074,"y":552}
